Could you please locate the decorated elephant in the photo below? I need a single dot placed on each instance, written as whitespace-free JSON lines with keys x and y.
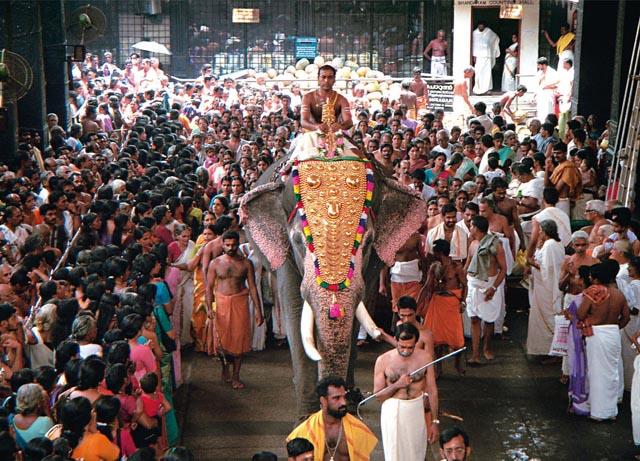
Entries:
{"x":325,"y":231}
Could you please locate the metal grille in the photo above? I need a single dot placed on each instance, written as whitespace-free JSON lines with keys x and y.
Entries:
{"x":136,"y":27}
{"x":380,"y":34}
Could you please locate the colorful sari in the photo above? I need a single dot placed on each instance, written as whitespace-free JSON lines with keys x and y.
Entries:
{"x":578,"y":388}
{"x":162,"y":321}
{"x":199,"y":312}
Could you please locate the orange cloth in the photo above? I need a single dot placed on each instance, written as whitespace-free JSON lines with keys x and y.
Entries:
{"x":360,"y":439}
{"x":444,"y":320}
{"x":95,"y":446}
{"x":233,"y":322}
{"x":569,"y":174}
{"x":398,"y":290}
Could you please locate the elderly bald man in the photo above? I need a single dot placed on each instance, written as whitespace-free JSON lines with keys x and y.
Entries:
{"x":594,"y":212}
{"x":444,"y":146}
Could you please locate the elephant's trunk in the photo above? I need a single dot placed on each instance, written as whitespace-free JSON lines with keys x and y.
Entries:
{"x":306,"y":329}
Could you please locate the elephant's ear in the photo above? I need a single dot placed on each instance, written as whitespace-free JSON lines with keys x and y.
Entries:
{"x":264,"y":218}
{"x":400,"y":213}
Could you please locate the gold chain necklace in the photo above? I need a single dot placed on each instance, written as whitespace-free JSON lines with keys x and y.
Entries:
{"x":332,"y":451}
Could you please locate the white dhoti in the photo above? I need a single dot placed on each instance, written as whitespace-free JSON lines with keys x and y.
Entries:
{"x":603,"y":357}
{"x":635,"y":401}
{"x":544,"y":103}
{"x":438,"y":66}
{"x":404,"y":430}
{"x":406,"y":271}
{"x":483,"y":77}
{"x":629,"y":353}
{"x":545,"y":297}
{"x":564,"y":204}
{"x":477,"y":306}
{"x":305,"y":146}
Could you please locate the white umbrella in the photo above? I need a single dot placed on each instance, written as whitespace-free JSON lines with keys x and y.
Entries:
{"x":152,"y":47}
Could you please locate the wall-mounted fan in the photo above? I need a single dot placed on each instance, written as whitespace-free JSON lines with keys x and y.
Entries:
{"x":86,"y":24}
{"x":16,"y":77}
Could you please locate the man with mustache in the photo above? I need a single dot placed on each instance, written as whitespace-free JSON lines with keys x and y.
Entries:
{"x":335,"y":434}
{"x":403,"y":427}
{"x":233,"y":273}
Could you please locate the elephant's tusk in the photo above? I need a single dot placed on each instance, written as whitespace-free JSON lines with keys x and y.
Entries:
{"x":306,"y":329}
{"x":367,"y":322}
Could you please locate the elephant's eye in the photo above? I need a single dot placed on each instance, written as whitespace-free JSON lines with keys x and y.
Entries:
{"x":352,"y":181}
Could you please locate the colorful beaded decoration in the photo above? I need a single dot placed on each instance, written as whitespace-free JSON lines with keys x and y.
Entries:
{"x":334,"y":287}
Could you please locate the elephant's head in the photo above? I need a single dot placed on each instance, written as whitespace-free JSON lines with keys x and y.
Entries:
{"x":330,"y":227}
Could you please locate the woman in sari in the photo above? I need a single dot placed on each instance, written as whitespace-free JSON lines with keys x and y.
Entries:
{"x":162,"y":308}
{"x":181,"y":283}
{"x":510,"y":65}
{"x":437,"y":170}
{"x":199,"y":313}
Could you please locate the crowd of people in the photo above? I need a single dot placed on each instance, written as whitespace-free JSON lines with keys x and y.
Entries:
{"x":122,"y":230}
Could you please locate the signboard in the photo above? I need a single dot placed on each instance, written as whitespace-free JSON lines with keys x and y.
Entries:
{"x":440,"y":95}
{"x":245,"y":15}
{"x":306,"y":47}
{"x":511,"y":11}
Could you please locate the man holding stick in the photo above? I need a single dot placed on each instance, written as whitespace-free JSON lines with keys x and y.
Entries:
{"x":404,"y":429}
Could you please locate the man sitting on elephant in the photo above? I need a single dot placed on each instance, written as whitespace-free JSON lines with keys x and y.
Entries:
{"x":324,"y":114}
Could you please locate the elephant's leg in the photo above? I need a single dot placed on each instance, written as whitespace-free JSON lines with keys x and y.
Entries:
{"x":305,"y":371}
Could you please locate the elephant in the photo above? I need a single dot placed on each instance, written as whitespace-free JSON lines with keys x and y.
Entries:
{"x":320,"y":345}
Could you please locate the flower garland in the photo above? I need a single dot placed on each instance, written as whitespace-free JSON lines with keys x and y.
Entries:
{"x":334,"y":287}
{"x":324,"y":148}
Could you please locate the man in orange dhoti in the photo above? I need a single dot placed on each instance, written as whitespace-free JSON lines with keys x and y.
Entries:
{"x":406,"y":274}
{"x":232,"y":271}
{"x":446,"y":283}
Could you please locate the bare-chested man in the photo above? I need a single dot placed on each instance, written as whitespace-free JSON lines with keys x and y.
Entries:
{"x":498,"y":224}
{"x":461,"y":103}
{"x":438,"y":57}
{"x":486,"y":269}
{"x":409,"y":99}
{"x":447,"y":288}
{"x":345,"y":436}
{"x":407,"y":274}
{"x":403,"y":401}
{"x":570,"y":280}
{"x":312,"y":102}
{"x":383,"y":156}
{"x":508,"y":208}
{"x":227,"y":277}
{"x":604,"y":311}
{"x":594,"y":212}
{"x":508,"y":98}
{"x":419,"y":88}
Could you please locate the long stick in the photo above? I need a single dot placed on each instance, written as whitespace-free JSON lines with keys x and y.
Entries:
{"x":414,"y":372}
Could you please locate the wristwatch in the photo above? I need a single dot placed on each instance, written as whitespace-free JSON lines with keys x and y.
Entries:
{"x":435,"y":421}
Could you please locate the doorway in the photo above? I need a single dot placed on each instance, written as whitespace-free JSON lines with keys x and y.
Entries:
{"x":504,"y":28}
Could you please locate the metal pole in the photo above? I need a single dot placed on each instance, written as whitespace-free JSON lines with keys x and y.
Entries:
{"x":624,"y":115}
